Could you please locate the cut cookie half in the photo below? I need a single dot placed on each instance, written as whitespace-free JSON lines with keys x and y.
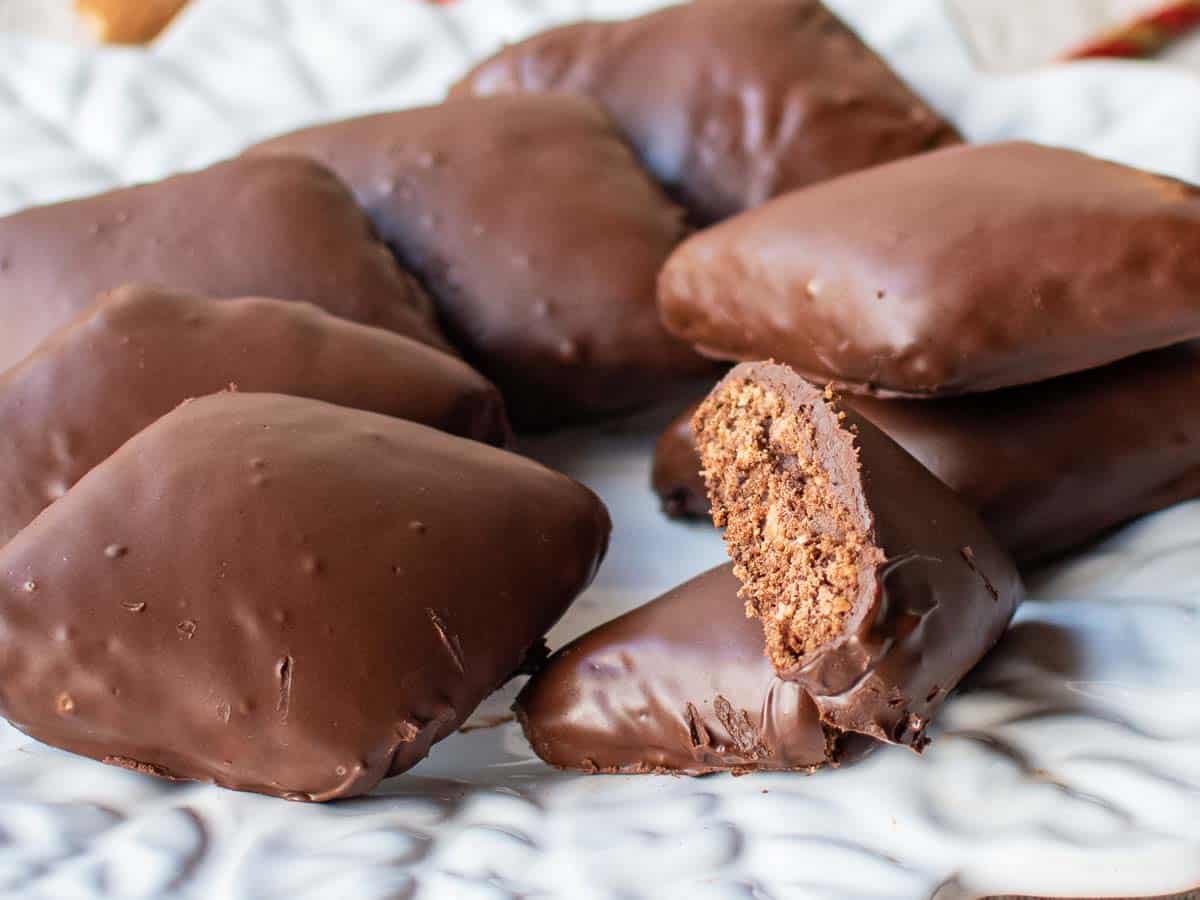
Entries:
{"x":876,"y":587}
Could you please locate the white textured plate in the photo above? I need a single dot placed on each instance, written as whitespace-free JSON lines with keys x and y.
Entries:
{"x":1072,"y":766}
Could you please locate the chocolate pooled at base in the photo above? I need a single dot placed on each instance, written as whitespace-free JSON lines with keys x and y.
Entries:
{"x":285,"y":596}
{"x":1049,"y":467}
{"x":729,"y":102}
{"x":876,"y":587}
{"x":679,"y":685}
{"x":285,"y":228}
{"x":960,"y":271}
{"x":539,"y":235}
{"x":139,"y":352}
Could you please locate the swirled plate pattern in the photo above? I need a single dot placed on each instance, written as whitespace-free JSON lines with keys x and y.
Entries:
{"x":1070,"y":765}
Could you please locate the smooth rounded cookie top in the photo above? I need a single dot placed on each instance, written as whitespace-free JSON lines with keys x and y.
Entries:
{"x":730,"y":102}
{"x":539,"y":235}
{"x":959,"y":271}
{"x":139,"y":352}
{"x":286,"y":228}
{"x":285,"y":596}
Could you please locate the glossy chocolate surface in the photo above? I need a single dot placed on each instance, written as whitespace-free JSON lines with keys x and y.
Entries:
{"x":138,"y":352}
{"x":675,"y":475}
{"x":939,"y":600}
{"x":678,"y":685}
{"x":965,"y":270}
{"x":539,"y":236}
{"x":1049,"y":467}
{"x":730,"y":102}
{"x":285,"y":596}
{"x":249,"y":227}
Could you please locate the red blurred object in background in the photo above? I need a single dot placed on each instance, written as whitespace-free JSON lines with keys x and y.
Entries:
{"x":1144,"y":36}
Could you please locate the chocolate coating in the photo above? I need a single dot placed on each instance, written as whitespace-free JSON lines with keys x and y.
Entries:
{"x":1050,"y":466}
{"x":934,"y":592}
{"x":1055,"y":465}
{"x":730,"y":102}
{"x":539,"y":236}
{"x":679,"y":685}
{"x":249,"y":227}
{"x":965,"y":270}
{"x":285,"y":596}
{"x":675,"y":475}
{"x":139,"y":352}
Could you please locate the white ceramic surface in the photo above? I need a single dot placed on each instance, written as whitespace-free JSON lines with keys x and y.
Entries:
{"x":1071,"y":766}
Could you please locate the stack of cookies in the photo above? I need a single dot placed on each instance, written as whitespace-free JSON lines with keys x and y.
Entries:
{"x":262,"y":518}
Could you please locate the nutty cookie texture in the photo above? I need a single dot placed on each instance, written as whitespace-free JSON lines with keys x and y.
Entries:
{"x":877,"y":589}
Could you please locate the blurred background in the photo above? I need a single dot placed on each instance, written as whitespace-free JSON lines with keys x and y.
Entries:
{"x":1003,"y":35}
